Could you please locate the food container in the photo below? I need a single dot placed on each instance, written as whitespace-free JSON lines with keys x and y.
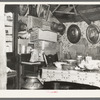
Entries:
{"x":59,"y":64}
{"x":93,"y":65}
{"x":88,"y":58}
{"x":68,"y":67}
{"x":79,"y":59}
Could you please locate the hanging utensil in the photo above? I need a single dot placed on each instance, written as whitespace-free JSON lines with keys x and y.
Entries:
{"x":61,"y":28}
{"x":54,"y":26}
{"x":58,"y":27}
{"x":92,"y":33}
{"x":73,"y":33}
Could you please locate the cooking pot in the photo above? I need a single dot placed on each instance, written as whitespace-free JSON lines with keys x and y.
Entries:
{"x":61,"y":28}
{"x":54,"y":26}
{"x":32,"y":83}
{"x":58,"y":27}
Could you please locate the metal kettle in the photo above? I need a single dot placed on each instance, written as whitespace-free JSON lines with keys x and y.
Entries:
{"x":32,"y":83}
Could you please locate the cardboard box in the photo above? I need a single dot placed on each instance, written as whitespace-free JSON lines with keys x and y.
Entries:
{"x":43,"y":35}
{"x":34,"y":22}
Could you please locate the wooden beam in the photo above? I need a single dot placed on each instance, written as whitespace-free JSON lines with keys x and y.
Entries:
{"x":84,"y":18}
{"x":91,"y":10}
{"x":64,"y":12}
{"x":55,"y":9}
{"x":15,"y":44}
{"x":75,"y":10}
{"x":69,"y":8}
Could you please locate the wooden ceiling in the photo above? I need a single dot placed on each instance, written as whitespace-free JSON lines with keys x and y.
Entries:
{"x":71,"y":13}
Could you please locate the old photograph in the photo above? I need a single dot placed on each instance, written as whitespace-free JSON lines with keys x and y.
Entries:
{"x":50,"y":46}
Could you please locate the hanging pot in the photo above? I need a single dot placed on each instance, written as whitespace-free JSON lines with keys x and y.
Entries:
{"x":73,"y":33}
{"x":92,"y":33}
{"x":61,"y":28}
{"x":54,"y":26}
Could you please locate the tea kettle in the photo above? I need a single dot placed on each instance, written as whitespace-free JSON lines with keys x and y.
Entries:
{"x":32,"y":83}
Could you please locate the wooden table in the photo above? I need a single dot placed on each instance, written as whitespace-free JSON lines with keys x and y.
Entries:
{"x":91,"y":78}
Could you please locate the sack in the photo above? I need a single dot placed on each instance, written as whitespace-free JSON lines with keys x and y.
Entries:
{"x":34,"y":56}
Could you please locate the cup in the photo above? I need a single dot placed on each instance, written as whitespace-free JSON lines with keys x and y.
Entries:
{"x":88,"y":58}
{"x":79,"y":59}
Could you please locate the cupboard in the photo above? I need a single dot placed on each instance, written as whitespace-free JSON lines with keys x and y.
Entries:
{"x":11,"y":17}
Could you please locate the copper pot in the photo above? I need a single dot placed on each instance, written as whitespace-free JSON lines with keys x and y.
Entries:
{"x":32,"y":83}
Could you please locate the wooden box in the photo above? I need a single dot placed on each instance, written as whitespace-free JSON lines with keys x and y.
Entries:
{"x":39,"y":34}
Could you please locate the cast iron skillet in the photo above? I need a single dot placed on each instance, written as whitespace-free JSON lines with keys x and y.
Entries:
{"x":92,"y":33}
{"x":73,"y":33}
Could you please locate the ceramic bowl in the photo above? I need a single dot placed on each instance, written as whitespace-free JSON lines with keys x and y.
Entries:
{"x":59,"y":64}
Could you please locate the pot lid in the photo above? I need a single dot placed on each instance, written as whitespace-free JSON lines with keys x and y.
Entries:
{"x":73,"y":33}
{"x":92,"y":33}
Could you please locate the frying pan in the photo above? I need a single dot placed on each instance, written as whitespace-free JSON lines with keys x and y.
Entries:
{"x":73,"y":33}
{"x":92,"y":33}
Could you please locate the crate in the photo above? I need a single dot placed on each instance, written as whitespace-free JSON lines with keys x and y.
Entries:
{"x":39,"y":34}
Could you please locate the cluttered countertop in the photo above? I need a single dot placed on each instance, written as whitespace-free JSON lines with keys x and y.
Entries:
{"x":76,"y":71}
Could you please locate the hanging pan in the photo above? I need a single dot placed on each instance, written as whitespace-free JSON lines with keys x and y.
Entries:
{"x":92,"y":33}
{"x":73,"y":33}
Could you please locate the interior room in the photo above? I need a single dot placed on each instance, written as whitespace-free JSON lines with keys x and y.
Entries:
{"x":50,"y":46}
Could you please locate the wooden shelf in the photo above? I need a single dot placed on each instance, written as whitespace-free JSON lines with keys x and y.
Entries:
{"x":11,"y":74}
{"x":31,"y":63}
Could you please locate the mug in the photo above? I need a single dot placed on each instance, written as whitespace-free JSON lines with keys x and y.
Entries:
{"x":79,"y":59}
{"x":88,"y":58}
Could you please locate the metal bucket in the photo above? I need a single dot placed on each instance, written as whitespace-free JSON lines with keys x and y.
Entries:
{"x":32,"y":83}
